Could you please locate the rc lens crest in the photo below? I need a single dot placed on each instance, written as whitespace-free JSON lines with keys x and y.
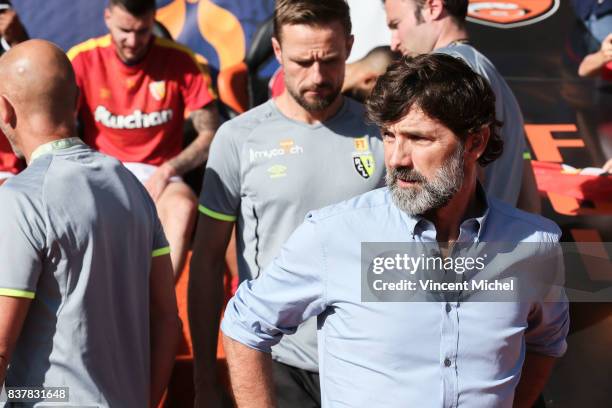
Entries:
{"x":105,"y":93}
{"x":364,"y":163}
{"x":158,"y":90}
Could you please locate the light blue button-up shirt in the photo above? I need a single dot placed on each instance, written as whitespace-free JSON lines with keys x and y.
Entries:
{"x":402,"y":354}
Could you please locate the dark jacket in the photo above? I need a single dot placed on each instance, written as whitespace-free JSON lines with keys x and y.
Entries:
{"x":584,"y":8}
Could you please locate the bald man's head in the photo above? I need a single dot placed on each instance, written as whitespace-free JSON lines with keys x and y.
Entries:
{"x":361,"y":75}
{"x":38,"y":91}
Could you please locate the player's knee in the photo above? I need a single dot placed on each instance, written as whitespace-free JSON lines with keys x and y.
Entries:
{"x":179,"y":206}
{"x":186,"y":205}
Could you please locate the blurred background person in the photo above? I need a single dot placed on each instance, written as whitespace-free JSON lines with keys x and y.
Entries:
{"x":10,"y":164}
{"x":361,"y":75}
{"x":425,"y":26}
{"x":369,"y":27}
{"x":598,"y":63}
{"x":596,"y":16}
{"x":12,"y":32}
{"x":132,"y":107}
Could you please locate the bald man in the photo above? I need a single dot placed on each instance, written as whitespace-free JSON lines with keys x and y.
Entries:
{"x":361,"y":75}
{"x":85,"y":276}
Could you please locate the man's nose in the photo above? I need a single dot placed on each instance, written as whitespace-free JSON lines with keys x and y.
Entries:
{"x":130,"y":39}
{"x":316,"y":74}
{"x":400,"y":155}
{"x":395,"y":43}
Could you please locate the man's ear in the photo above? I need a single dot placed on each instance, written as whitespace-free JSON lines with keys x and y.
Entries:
{"x":369,"y":80}
{"x":349,"y":45}
{"x":477,"y":142}
{"x":7,"y":112}
{"x":432,"y":10}
{"x":107,"y":16}
{"x":278,"y":52}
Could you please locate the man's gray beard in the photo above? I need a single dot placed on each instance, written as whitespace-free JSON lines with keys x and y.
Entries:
{"x":428,"y":195}
{"x":318,"y":105}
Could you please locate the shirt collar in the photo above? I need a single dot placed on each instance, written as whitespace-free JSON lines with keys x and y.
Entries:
{"x":411,"y":221}
{"x":50,"y":147}
{"x":476,"y":225}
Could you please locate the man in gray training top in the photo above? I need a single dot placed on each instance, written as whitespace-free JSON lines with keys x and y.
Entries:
{"x":86,"y":285}
{"x":306,"y":149}
{"x":424,"y":26}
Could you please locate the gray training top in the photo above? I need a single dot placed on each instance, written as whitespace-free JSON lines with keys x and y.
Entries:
{"x":78,"y":233}
{"x":502,"y":177}
{"x":268,"y":171}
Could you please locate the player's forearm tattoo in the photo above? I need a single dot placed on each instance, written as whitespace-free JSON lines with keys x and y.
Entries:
{"x":206,"y":122}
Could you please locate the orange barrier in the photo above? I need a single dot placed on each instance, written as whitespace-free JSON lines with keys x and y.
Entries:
{"x":547,"y":148}
{"x":573,"y":194}
{"x":552,"y":178}
{"x":233,"y":84}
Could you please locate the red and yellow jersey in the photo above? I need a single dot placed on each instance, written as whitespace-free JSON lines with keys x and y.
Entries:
{"x":606,"y":72}
{"x":8,"y":161}
{"x":136,"y":112}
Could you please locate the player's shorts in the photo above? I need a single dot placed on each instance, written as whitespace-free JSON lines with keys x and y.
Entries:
{"x":144,"y":171}
{"x":5,"y":175}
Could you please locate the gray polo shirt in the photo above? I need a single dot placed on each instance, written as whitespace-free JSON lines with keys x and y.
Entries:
{"x":267,"y":171}
{"x":502,"y":177}
{"x":78,"y":234}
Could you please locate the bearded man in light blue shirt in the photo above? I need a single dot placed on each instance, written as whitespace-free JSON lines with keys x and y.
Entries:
{"x":437,"y":119}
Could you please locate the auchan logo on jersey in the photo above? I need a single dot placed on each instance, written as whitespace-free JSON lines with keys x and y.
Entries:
{"x":137,"y":120}
{"x":510,"y":13}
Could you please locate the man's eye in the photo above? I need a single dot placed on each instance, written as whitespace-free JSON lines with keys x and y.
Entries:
{"x":419,"y":139}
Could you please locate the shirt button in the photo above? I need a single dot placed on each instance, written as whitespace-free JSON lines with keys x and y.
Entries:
{"x":447,"y":362}
{"x":448,"y":308}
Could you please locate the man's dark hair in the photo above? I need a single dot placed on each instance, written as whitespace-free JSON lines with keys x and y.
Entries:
{"x":455,"y":8}
{"x":446,"y":89}
{"x":311,"y":12}
{"x":136,"y":8}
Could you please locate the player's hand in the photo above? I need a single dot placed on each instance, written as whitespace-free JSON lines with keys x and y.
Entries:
{"x":2,"y":181}
{"x":11,"y":28}
{"x":608,"y":166}
{"x":606,"y":47}
{"x":158,"y":181}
